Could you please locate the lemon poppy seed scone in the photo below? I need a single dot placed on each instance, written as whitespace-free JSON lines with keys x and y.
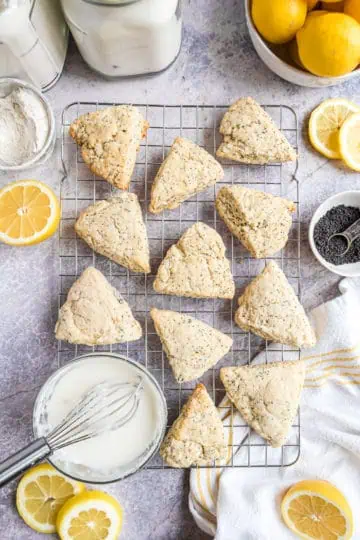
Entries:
{"x":270,"y":308}
{"x":259,"y":220}
{"x":191,"y":346}
{"x":196,"y":266}
{"x":187,"y":170}
{"x":251,"y":136}
{"x":109,"y":140}
{"x":267,"y":396}
{"x":95,"y":313}
{"x":197,"y":435}
{"x":115,"y":228}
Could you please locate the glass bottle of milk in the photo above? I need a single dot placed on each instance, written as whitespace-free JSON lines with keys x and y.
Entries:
{"x":33,"y":40}
{"x":121,"y":38}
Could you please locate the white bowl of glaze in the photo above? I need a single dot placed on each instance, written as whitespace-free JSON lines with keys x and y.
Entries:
{"x":283,"y":69}
{"x":110,"y":365}
{"x":347,"y":198}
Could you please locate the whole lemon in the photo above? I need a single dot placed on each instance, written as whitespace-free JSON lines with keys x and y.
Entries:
{"x":333,"y":6}
{"x":311,"y":4}
{"x":352,"y":8}
{"x":294,"y":53}
{"x":329,"y":44}
{"x":278,"y":20}
{"x":316,"y":13}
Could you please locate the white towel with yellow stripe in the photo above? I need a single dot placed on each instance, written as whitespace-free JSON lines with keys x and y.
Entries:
{"x":243,"y":503}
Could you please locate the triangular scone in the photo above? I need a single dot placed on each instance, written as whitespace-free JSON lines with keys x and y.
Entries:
{"x":251,"y":136}
{"x":95,"y":313}
{"x":192,"y":347}
{"x":115,"y":228}
{"x":270,"y":308}
{"x":109,"y":140}
{"x":197,"y":435}
{"x":196,"y":266}
{"x":259,"y":220}
{"x":267,"y":396}
{"x":187,"y":170}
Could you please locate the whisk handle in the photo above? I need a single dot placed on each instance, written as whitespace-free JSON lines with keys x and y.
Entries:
{"x":16,"y":464}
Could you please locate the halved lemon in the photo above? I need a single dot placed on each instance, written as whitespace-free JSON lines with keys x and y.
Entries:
{"x":41,"y":493}
{"x":93,"y":515}
{"x":29,"y":213}
{"x":325,"y":123}
{"x":315,"y":509}
{"x":349,"y":139}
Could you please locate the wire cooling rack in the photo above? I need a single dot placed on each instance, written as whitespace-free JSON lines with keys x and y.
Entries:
{"x":81,"y":188}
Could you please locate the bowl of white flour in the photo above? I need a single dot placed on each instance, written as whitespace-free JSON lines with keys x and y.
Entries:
{"x":27,"y":126}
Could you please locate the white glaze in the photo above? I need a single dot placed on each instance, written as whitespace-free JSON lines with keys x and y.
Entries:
{"x":122,"y":449}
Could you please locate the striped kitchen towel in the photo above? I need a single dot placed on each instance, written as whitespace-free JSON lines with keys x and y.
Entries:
{"x":243,"y":503}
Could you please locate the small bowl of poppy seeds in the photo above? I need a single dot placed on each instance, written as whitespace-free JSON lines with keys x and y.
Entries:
{"x":335,"y":216}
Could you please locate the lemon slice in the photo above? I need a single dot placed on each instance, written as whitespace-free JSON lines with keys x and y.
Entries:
{"x":93,"y":515}
{"x":349,"y":139}
{"x":41,"y":492}
{"x":325,"y":123}
{"x":29,"y":213}
{"x":314,"y":509}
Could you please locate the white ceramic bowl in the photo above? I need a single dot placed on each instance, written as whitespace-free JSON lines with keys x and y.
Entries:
{"x":284,"y":70}
{"x":348,"y":198}
{"x":7,"y":85}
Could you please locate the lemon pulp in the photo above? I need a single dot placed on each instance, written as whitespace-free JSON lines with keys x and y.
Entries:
{"x":29,"y":212}
{"x":41,"y":493}
{"x":90,"y":516}
{"x":325,"y":123}
{"x":349,"y":139}
{"x":315,"y":509}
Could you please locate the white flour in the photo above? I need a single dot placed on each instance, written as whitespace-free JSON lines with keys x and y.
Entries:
{"x":24,"y":126}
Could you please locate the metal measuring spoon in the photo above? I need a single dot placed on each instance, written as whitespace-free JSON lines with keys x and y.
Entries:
{"x":350,"y":234}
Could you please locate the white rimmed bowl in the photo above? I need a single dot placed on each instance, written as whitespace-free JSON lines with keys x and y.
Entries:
{"x":284,"y":70}
{"x":348,"y":198}
{"x":7,"y":85}
{"x":107,"y":361}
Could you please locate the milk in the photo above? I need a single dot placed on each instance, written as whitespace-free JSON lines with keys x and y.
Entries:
{"x":33,"y":41}
{"x":133,"y":39}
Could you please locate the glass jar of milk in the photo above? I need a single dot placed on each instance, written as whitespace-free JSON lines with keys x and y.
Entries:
{"x":33,"y":41}
{"x":122,"y":38}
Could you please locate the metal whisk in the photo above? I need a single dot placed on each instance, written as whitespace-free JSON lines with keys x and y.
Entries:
{"x":105,"y":407}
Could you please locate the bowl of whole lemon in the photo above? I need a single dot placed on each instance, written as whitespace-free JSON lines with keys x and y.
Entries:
{"x":307,"y":42}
